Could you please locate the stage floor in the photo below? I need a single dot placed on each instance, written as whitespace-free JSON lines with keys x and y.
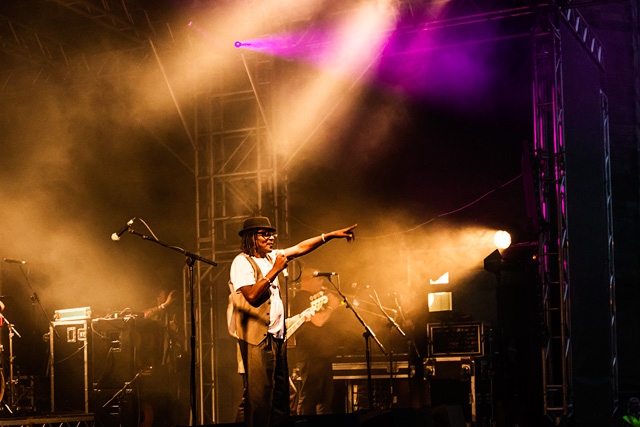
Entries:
{"x":47,"y":420}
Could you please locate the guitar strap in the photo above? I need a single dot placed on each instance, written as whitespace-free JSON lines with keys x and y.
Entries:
{"x":231,"y":315}
{"x":256,"y":270}
{"x":231,"y":321}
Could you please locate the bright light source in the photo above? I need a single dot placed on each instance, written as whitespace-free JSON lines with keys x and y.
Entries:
{"x":502,"y":239}
{"x":442,"y":280}
{"x":439,"y":301}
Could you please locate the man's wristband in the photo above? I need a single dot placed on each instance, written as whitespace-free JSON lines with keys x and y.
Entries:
{"x":323,"y":239}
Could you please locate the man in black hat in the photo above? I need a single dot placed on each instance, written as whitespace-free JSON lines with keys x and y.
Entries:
{"x":259,"y":316}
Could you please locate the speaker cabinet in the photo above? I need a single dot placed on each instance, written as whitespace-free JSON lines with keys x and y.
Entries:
{"x":70,"y":381}
{"x":112,"y":352}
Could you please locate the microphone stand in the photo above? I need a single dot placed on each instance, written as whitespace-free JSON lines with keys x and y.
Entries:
{"x":12,"y":331}
{"x":190,"y":260}
{"x":368,"y":334}
{"x":125,"y":387}
{"x":35,"y":299}
{"x":394,"y":324}
{"x":12,"y":383}
{"x":412,"y":344}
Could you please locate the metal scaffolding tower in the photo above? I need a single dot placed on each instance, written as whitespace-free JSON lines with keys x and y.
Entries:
{"x":553,"y":247}
{"x":550,"y":173}
{"x":610,"y":246}
{"x":236,"y":177}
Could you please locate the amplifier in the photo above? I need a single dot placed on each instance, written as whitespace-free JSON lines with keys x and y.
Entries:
{"x":456,"y":339}
{"x":80,"y":313}
{"x":459,"y":368}
{"x":69,"y":375}
{"x":354,"y":367}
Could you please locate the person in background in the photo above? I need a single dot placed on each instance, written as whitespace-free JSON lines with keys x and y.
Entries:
{"x":163,"y":300}
{"x":260,"y":316}
{"x":160,"y":353}
{"x":315,"y":345}
{"x":171,"y":346}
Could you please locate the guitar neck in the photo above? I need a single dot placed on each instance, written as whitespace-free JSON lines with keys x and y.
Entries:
{"x":296,"y":321}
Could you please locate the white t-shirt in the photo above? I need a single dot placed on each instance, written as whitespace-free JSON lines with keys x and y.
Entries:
{"x":242,"y":274}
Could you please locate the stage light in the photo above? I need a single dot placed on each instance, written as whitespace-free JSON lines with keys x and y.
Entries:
{"x":493,"y":262}
{"x":439,"y":301}
{"x":502,"y":239}
{"x":518,"y":256}
{"x":442,"y":280}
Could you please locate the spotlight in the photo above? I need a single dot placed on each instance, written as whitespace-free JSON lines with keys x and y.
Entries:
{"x":239,"y":44}
{"x":502,"y":239}
{"x":518,"y":256}
{"x":493,"y":262}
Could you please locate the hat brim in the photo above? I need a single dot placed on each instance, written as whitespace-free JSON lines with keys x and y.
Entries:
{"x":246,"y":230}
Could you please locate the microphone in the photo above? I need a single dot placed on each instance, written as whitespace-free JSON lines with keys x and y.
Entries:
{"x":321,"y":274}
{"x":14,"y":261}
{"x":116,"y":236}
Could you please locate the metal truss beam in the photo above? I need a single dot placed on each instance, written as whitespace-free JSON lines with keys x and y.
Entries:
{"x":553,"y":245}
{"x":584,"y":33}
{"x":131,"y":21}
{"x":31,"y":47}
{"x":610,"y":253}
{"x":35,"y":57}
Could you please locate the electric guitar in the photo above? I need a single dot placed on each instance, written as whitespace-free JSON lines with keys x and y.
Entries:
{"x":294,"y":322}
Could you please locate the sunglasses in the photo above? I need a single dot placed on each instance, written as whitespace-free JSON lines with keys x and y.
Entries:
{"x":267,"y":234}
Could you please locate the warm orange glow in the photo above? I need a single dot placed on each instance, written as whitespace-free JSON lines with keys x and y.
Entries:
{"x":502,"y":239}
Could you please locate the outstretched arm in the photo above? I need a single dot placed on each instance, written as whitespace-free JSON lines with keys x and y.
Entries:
{"x":313,"y":243}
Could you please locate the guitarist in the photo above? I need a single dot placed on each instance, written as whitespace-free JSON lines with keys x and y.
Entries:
{"x":315,"y":347}
{"x":260,"y":318}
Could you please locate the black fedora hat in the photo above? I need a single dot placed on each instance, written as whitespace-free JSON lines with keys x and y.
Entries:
{"x":256,"y":223}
